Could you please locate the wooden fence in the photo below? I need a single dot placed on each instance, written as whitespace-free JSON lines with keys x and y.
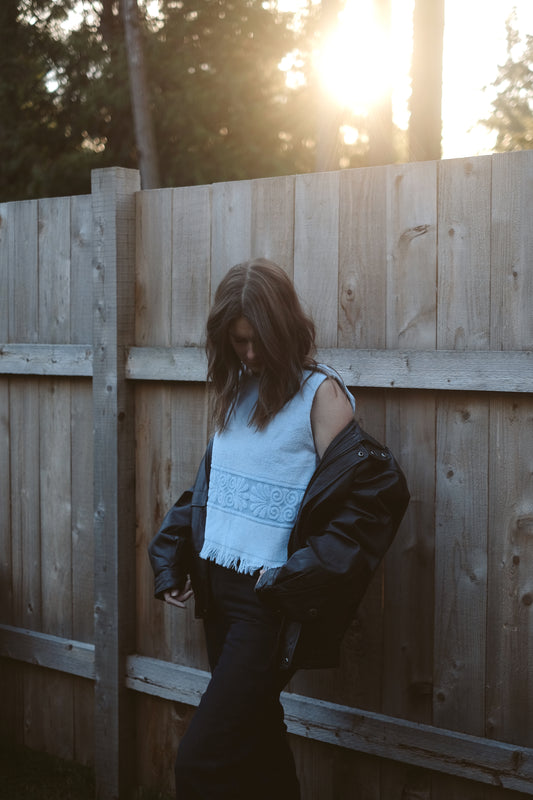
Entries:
{"x":420,"y":280}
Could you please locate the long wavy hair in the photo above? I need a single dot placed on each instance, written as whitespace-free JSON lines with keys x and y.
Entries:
{"x":261,"y":292}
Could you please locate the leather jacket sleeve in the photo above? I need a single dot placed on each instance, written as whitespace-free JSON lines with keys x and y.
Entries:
{"x":173,"y":547}
{"x":339,"y":539}
{"x":170,"y":549}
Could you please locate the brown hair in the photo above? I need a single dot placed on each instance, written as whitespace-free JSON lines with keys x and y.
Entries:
{"x":263,"y":293}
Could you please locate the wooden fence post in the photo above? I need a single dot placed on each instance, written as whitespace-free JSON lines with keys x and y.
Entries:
{"x":113,"y":198}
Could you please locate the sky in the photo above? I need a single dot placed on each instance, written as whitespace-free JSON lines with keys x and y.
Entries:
{"x":474,"y":46}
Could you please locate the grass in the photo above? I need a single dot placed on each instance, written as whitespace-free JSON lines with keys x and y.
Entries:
{"x":28,"y":775}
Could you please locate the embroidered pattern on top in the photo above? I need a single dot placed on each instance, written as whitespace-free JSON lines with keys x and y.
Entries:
{"x":259,"y":500}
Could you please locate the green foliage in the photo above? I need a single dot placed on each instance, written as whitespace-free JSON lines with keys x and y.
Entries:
{"x":221,"y":108}
{"x":512,"y":114}
{"x":30,"y":139}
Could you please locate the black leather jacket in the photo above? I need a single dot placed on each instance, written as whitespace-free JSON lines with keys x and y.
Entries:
{"x":348,"y":517}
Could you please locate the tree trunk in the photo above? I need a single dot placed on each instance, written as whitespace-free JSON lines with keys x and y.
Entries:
{"x":381,"y":148}
{"x":327,"y":145}
{"x":425,"y":126}
{"x":142,"y":117}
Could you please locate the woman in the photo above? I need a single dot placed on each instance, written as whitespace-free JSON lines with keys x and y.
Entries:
{"x":272,"y":538}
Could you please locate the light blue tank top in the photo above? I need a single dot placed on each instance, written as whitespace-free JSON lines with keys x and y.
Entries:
{"x":258,"y":479}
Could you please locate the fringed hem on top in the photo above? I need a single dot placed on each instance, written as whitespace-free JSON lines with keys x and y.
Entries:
{"x":230,"y":560}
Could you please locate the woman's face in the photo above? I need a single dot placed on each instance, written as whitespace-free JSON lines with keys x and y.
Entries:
{"x":246,"y":345}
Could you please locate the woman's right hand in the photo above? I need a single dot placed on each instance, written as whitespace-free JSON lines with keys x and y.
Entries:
{"x":176,"y":598}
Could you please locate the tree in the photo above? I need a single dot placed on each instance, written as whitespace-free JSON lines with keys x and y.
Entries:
{"x":33,"y":136}
{"x":221,"y":108}
{"x":512,"y":109}
{"x":425,"y":125}
{"x":380,"y":127}
{"x":140,"y":100}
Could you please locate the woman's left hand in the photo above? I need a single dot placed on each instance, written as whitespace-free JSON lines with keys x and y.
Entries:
{"x":176,"y":598}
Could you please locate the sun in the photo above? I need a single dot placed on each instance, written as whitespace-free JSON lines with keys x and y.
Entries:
{"x":354,"y":60}
{"x":362,"y":61}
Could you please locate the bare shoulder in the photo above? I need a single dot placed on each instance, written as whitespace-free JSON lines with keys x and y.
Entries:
{"x":331,"y":412}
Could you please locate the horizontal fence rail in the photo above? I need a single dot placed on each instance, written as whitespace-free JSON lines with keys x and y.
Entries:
{"x":475,"y":371}
{"x":491,"y":762}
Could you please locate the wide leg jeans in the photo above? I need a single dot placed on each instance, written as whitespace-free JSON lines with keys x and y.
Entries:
{"x":236,"y":746}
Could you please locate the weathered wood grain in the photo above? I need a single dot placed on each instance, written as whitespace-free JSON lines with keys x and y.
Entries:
{"x":81,"y":285}
{"x":316,"y":251}
{"x":511,"y":325}
{"x":464,"y":233}
{"x":273,"y":221}
{"x":231,"y":231}
{"x":476,"y":371}
{"x":363,"y":259}
{"x":46,"y":650}
{"x":72,"y":360}
{"x":510,"y":554}
{"x":23,"y":282}
{"x":113,"y":194}
{"x":11,"y":718}
{"x":191,"y":260}
{"x":484,"y":760}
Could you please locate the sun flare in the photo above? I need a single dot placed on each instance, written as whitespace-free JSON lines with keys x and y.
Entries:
{"x":354,"y":62}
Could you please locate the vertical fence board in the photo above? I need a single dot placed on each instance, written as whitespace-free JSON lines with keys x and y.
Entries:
{"x":153,"y":323}
{"x":6,"y":561}
{"x":510,"y":596}
{"x":54,"y":270}
{"x":411,"y":324}
{"x":462,"y":456}
{"x":56,"y":553}
{"x":114,"y":474}
{"x":316,"y":278}
{"x":316,"y":251}
{"x":231,"y":234}
{"x":152,"y":406}
{"x":412,"y":256}
{"x":512,"y":246}
{"x":23,"y":285}
{"x":191,"y":258}
{"x":55,"y":461}
{"x":461,"y":556}
{"x":464,"y":254}
{"x":510,"y":591}
{"x":23,"y":291}
{"x":409,"y":569}
{"x":25,"y":519}
{"x":153,"y":285}
{"x":193,"y":282}
{"x":82,"y":557}
{"x":81,"y":332}
{"x":10,"y":719}
{"x":362,"y":258}
{"x":273,"y":221}
{"x":362,"y":323}
{"x":81,"y":290}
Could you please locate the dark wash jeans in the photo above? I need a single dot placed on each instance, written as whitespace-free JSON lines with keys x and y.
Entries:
{"x":236,"y":746}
